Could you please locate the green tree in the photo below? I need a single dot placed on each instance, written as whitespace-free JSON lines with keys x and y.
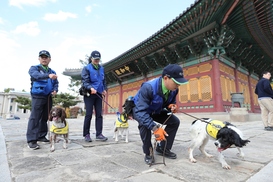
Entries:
{"x":64,"y":100}
{"x":24,"y":102}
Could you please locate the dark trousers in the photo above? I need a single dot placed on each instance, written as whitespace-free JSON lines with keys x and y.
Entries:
{"x":172,"y":125}
{"x":37,"y":124}
{"x":93,"y":101}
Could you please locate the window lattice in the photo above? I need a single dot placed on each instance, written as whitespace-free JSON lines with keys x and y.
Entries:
{"x":205,"y":88}
{"x":183,"y":93}
{"x":227,"y":87}
{"x":193,"y":89}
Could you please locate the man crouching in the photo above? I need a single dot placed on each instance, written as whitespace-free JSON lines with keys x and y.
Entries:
{"x":156,"y":101}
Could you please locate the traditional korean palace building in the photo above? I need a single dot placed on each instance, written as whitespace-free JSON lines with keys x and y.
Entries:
{"x":222,"y":45}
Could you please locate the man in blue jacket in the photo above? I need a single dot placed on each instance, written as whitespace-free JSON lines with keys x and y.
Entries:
{"x":93,"y":80}
{"x":44,"y":85}
{"x":156,"y":101}
{"x":265,"y":94}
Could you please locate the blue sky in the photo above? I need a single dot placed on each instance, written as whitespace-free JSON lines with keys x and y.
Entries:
{"x":72,"y":29}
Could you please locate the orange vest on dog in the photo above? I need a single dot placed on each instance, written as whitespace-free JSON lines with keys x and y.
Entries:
{"x":213,"y":127}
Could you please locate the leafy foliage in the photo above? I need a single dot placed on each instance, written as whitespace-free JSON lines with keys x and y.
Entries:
{"x":24,"y":102}
{"x":64,"y":100}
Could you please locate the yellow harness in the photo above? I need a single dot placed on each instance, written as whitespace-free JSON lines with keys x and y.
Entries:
{"x":213,"y":127}
{"x":59,"y":131}
{"x":121,"y":122}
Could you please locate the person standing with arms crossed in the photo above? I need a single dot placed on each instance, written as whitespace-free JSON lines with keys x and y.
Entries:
{"x":156,"y":101}
{"x":93,"y":80}
{"x":265,"y":94}
{"x":44,"y":85}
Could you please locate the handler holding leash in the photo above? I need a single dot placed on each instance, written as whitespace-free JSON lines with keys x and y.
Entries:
{"x":93,"y":80}
{"x":151,"y":102}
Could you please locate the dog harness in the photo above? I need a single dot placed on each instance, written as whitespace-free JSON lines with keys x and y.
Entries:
{"x":213,"y":127}
{"x":121,"y":121}
{"x":59,"y":131}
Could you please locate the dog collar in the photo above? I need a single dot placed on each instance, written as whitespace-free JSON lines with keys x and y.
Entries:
{"x":213,"y":127}
{"x":59,"y":131}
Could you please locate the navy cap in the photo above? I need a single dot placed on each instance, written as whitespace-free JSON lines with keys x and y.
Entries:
{"x":95,"y":55}
{"x":175,"y":72}
{"x":44,"y":52}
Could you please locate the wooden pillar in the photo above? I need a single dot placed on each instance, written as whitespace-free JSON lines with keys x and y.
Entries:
{"x":216,"y":86}
{"x":120,"y":98}
{"x":251,"y":94}
{"x":237,"y":87}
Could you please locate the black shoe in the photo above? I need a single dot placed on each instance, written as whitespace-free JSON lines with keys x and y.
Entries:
{"x":33,"y":145}
{"x":44,"y":139}
{"x":148,"y":159}
{"x":167,"y":153}
{"x":101,"y":138}
{"x":268,"y":128}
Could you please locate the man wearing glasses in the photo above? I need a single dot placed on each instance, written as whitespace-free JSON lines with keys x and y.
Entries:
{"x":44,"y":85}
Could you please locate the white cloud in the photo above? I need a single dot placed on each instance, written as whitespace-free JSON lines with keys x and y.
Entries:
{"x":7,"y":45}
{"x":60,"y":16}
{"x":30,"y":28}
{"x":88,"y":9}
{"x":19,"y":3}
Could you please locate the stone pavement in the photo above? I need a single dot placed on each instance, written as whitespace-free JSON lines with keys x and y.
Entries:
{"x":124,"y":162}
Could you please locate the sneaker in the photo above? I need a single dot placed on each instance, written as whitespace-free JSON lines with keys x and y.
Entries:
{"x":44,"y":139}
{"x":167,"y":153}
{"x":148,"y":159}
{"x":33,"y":145}
{"x":268,"y":128}
{"x":101,"y":138}
{"x":87,"y":138}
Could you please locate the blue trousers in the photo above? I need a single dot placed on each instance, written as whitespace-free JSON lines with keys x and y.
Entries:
{"x":37,"y":124}
{"x":93,"y":101}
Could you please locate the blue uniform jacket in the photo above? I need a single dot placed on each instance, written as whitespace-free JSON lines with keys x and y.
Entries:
{"x":41,"y":84}
{"x":94,"y":78}
{"x":263,"y":88}
{"x":150,"y":100}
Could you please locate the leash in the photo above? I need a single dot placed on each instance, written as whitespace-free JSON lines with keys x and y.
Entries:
{"x":48,"y":122}
{"x":151,"y":150}
{"x":195,"y":117}
{"x":118,"y":113}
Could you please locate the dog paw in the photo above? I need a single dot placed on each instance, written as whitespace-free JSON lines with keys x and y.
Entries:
{"x":209,"y":156}
{"x":193,"y":160}
{"x":242,"y":156}
{"x":52,"y":150}
{"x":226,"y":166}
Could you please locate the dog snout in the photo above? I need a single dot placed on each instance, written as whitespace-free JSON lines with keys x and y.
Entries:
{"x":53,"y":113}
{"x":216,"y":144}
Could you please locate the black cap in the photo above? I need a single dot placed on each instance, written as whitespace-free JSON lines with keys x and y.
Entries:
{"x":95,"y":55}
{"x":175,"y":72}
{"x":44,"y":52}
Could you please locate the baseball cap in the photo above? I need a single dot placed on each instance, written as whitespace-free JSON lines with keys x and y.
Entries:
{"x":175,"y":72}
{"x":95,"y":55}
{"x":44,"y":52}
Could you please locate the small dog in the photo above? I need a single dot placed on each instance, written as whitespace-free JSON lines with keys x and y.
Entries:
{"x":224,"y":134}
{"x":59,"y":127}
{"x":121,"y":127}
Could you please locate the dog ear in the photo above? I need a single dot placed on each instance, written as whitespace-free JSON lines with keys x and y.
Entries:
{"x":238,"y":141}
{"x":50,"y":116}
